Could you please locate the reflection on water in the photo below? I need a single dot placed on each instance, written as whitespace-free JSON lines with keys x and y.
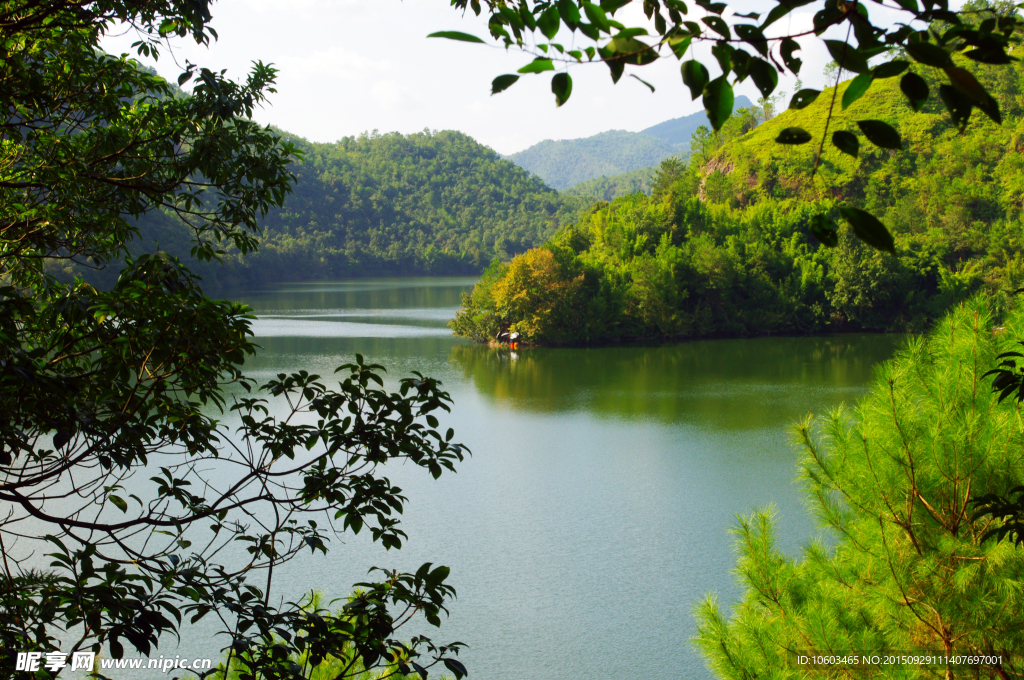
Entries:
{"x":364,"y":294}
{"x":332,"y":327}
{"x":594,"y":512}
{"x":731,"y":384}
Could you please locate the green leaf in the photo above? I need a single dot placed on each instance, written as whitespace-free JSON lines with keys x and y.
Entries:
{"x":753,"y":36}
{"x":847,"y":56}
{"x":511,"y":17}
{"x":527,"y":16}
{"x":929,"y":54}
{"x":616,"y":67}
{"x":561,"y":85}
{"x":612,"y":6}
{"x":718,"y":25}
{"x":456,"y":667}
{"x":803,"y":98}
{"x":679,"y":46}
{"x":764,"y":75}
{"x":713,"y":7}
{"x":846,"y":142}
{"x":596,"y":16}
{"x":880,"y":134}
{"x":631,"y":32}
{"x":456,"y":35}
{"x":549,"y":21}
{"x":825,"y":230}
{"x":722,"y":52}
{"x":869,"y":229}
{"x":695,"y":77}
{"x":793,"y":135}
{"x":856,"y":89}
{"x":964,"y":81}
{"x":739,"y":61}
{"x":718,"y":102}
{"x":538,"y":65}
{"x":890,"y":69}
{"x":633,"y":75}
{"x":957,"y":103}
{"x":632,"y":50}
{"x":119,"y":502}
{"x":61,"y":439}
{"x":777,"y":12}
{"x":915,"y":89}
{"x":569,"y":12}
{"x":989,"y":55}
{"x":787,"y":48}
{"x":503,"y":82}
{"x":168,"y":26}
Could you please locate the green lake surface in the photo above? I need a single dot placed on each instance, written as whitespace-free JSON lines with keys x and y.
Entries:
{"x":595,"y":510}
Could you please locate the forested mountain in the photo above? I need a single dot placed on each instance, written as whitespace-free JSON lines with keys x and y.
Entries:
{"x":679,"y":130}
{"x":607,"y":188}
{"x":723,"y":245}
{"x":565,"y":162}
{"x":427,"y":202}
{"x":391,"y":204}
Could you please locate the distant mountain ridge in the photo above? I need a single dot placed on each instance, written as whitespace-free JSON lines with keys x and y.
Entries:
{"x":679,"y":130}
{"x":567,"y":162}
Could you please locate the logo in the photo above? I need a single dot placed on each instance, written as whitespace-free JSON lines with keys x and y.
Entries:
{"x":54,"y":661}
{"x":31,"y":662}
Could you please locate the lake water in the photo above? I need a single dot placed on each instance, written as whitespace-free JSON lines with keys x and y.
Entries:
{"x":595,"y":510}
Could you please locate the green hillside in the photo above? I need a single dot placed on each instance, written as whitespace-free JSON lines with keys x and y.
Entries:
{"x":932,"y":169}
{"x":427,"y":202}
{"x":723,"y":244}
{"x":392,"y":204}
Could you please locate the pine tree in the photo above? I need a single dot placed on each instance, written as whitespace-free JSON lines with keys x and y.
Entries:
{"x":905,"y":568}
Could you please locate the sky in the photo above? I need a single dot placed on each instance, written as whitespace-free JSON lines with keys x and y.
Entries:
{"x":354,"y":66}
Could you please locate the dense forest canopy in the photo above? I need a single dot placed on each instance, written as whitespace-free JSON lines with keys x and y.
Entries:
{"x":431,"y":202}
{"x":381,"y":204}
{"x":725,"y":246}
{"x":607,"y":188}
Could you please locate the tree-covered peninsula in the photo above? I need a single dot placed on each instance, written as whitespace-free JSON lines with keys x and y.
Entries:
{"x":725,"y":243}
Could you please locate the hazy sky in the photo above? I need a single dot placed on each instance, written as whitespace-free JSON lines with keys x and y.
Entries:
{"x":350,"y":66}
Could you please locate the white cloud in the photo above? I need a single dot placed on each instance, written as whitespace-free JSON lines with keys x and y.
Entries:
{"x":347,"y":66}
{"x":390,"y":95}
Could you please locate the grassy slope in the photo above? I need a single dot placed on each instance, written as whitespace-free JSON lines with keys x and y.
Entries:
{"x":838,"y":174}
{"x":884,"y":102}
